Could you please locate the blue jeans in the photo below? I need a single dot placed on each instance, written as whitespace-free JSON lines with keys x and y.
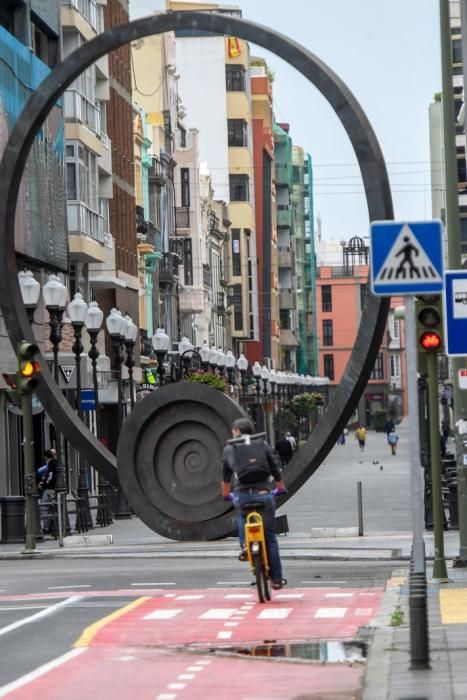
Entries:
{"x":268,"y":515}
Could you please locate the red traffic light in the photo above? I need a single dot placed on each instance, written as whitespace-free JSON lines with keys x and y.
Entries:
{"x":430,"y":340}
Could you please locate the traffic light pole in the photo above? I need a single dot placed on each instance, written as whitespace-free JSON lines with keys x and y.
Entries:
{"x":440,"y":573}
{"x":454,"y":257}
{"x":29,"y":475}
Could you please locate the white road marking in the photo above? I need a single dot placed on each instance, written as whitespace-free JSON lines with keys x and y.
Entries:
{"x":241,"y":596}
{"x":25,"y":607}
{"x":284,"y":596}
{"x":339,"y":595}
{"x":232,"y":583}
{"x":37,"y":616}
{"x":42,"y":670}
{"x":204,"y":662}
{"x":274,"y":614}
{"x":166,"y":696}
{"x":155,"y":583}
{"x":167,"y":614}
{"x":59,"y":588}
{"x":218,"y":614}
{"x":231,"y":624}
{"x":176,"y":686}
{"x":186,"y":676}
{"x":194,"y":668}
{"x":330,"y":612}
{"x":322,"y":584}
{"x":189,"y":597}
{"x":224,"y":635}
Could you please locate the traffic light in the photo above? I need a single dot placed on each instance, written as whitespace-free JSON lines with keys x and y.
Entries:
{"x":28,"y":367}
{"x":429,"y":318}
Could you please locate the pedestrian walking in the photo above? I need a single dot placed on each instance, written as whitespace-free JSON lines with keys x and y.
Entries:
{"x":360,"y":435}
{"x":284,"y":449}
{"x":393,"y":439}
{"x":292,"y":440}
{"x":46,"y":478}
{"x":389,"y":427}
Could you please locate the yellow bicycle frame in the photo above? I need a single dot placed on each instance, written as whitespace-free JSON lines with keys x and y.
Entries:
{"x":254,"y":532}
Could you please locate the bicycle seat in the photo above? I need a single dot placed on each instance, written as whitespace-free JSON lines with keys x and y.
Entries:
{"x":253,"y":505}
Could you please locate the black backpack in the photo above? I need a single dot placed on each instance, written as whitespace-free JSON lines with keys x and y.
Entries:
{"x":250,"y":461}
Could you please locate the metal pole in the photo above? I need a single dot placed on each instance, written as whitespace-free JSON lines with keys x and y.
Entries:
{"x":454,"y":252}
{"x":29,"y":476}
{"x":60,"y":519}
{"x":440,"y":573}
{"x":360,"y":508}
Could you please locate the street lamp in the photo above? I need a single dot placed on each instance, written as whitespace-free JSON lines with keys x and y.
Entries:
{"x":242,"y":364}
{"x":30,"y":291}
{"x":160,"y":342}
{"x":77,"y":310}
{"x":213,"y":355}
{"x":55,"y":295}
{"x":230,"y":363}
{"x":221,"y":360}
{"x":205,"y":353}
{"x":116,"y":324}
{"x":93,"y":323}
{"x":185,"y":351}
{"x":131,"y":333}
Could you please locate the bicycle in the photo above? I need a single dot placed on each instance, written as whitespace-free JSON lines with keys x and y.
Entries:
{"x":255,"y":544}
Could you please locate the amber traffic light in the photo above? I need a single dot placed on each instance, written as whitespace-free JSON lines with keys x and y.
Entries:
{"x":28,"y":367}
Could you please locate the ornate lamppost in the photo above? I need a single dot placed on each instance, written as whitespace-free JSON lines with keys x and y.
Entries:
{"x":116,"y":323}
{"x":221,"y":360}
{"x":213,"y":354}
{"x":230,"y":363}
{"x":131,"y":333}
{"x":30,"y":291}
{"x":55,"y":295}
{"x":205,"y":353}
{"x":77,"y":310}
{"x":242,"y":364}
{"x":160,"y":342}
{"x":185,"y":352}
{"x":256,"y":370}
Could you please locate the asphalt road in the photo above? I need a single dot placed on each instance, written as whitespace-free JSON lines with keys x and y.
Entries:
{"x":86,"y":590}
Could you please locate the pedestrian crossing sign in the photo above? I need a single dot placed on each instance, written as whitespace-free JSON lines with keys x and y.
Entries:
{"x":406,"y":257}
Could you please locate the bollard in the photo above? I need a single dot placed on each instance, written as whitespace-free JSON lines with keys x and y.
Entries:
{"x":418,"y":609}
{"x":360,"y":508}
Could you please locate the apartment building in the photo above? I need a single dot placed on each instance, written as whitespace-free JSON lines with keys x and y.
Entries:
{"x":218,"y":67}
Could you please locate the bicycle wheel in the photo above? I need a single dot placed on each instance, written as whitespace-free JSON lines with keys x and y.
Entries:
{"x":262,"y":585}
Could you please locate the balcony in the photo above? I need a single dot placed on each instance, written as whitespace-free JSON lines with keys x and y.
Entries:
{"x":182,"y":218}
{"x":285,"y":257}
{"x":156,"y":172}
{"x":83,"y":220}
{"x":287,"y":299}
{"x":78,"y":108}
{"x":283,"y":215}
{"x":154,"y":237}
{"x":191,"y":300}
{"x":282,"y":174}
{"x":86,"y":8}
{"x":167,"y":270}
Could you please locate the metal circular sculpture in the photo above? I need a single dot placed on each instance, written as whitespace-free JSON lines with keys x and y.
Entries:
{"x":169,"y":456}
{"x":186,"y":458}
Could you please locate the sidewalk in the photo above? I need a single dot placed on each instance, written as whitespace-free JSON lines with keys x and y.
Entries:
{"x":388,"y":675}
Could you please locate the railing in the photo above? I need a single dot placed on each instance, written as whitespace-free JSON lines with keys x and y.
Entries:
{"x":167,"y":269}
{"x":78,"y":108}
{"x":182,"y":217}
{"x":282,"y":174}
{"x":81,"y":219}
{"x":87,"y":8}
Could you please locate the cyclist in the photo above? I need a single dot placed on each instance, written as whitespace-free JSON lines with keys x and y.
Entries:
{"x":255,"y":465}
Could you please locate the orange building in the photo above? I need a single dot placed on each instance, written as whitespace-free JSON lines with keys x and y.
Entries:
{"x":341,"y":293}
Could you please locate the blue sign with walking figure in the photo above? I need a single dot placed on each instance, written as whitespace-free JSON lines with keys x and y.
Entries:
{"x":406,"y":257}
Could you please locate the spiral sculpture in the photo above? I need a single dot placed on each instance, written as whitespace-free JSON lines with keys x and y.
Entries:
{"x":170,"y":476}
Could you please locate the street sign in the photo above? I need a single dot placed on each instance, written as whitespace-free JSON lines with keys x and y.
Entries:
{"x":462,"y":378}
{"x":88,"y":400}
{"x":406,"y":257}
{"x":455,"y":312}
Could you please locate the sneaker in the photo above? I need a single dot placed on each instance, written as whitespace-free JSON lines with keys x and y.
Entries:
{"x":277,"y":585}
{"x":243,"y":556}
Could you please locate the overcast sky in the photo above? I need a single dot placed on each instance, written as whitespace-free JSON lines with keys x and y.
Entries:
{"x":388,"y":53}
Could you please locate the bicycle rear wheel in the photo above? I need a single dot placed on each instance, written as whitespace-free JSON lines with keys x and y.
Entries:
{"x":262,"y":582}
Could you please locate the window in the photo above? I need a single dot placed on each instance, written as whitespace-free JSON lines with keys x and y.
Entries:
{"x":457,"y":50}
{"x":237,"y":132}
{"x":239,"y":190}
{"x":326,"y":297}
{"x":185,"y":185}
{"x":461,"y":171}
{"x":234,"y":78}
{"x":363,"y":291}
{"x":327,"y":333}
{"x":81,"y":168}
{"x":378,"y":369}
{"x":394,"y":328}
{"x":284,"y":319}
{"x":329,"y":366}
{"x":188,"y":261}
{"x":236,"y":253}
{"x":238,"y":307}
{"x":395,"y":366}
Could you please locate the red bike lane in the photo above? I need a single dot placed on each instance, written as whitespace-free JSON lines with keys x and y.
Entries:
{"x":162,"y":647}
